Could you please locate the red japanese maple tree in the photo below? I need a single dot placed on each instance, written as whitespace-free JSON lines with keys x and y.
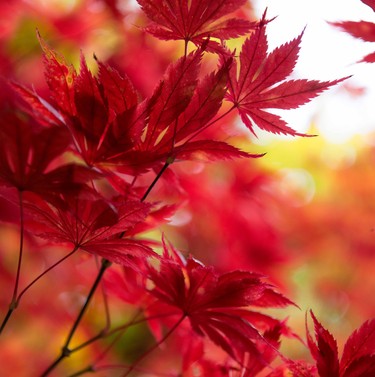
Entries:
{"x":80,"y":161}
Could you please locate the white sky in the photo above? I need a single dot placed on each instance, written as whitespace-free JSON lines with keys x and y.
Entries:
{"x":327,"y":53}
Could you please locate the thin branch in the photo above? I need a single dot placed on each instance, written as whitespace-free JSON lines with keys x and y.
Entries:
{"x":14,"y":301}
{"x":163,"y":169}
{"x":65,"y":351}
{"x":156,"y":345}
{"x":45,"y":272}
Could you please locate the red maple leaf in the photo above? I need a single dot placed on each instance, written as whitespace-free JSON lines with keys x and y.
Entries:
{"x":262,"y":84}
{"x":194,"y":20}
{"x":325,"y":351}
{"x":100,"y":112}
{"x":364,"y":30}
{"x":217,"y":305}
{"x":182,"y":106}
{"x":30,"y":148}
{"x":110,"y":126}
{"x":358,"y":358}
{"x":370,"y":3}
{"x":93,"y":224}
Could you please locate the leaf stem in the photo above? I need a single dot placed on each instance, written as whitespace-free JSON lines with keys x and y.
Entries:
{"x":210,"y":124}
{"x":106,"y":333}
{"x":14,"y":302}
{"x":6,"y":318}
{"x":88,"y":369}
{"x":92,"y":368}
{"x":45,"y":272}
{"x":163,"y":339}
{"x":163,"y":169}
{"x":65,"y":351}
{"x":20,"y":250}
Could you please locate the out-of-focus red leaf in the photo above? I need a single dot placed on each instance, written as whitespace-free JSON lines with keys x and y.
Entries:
{"x":370,"y":58}
{"x":252,"y":365}
{"x":364,"y":30}
{"x":300,"y":369}
{"x":370,"y":3}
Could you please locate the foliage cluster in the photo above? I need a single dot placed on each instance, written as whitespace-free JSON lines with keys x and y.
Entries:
{"x":97,"y":162}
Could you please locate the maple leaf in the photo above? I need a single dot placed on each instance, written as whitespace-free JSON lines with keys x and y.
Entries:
{"x":262,"y":84}
{"x":194,"y":20}
{"x":325,"y":351}
{"x":364,"y":30}
{"x":171,"y":97}
{"x":60,"y":77}
{"x":92,"y":224}
{"x":370,"y":3}
{"x":100,"y":112}
{"x":359,"y":352}
{"x":358,"y":358}
{"x":182,"y":108}
{"x":30,"y":150}
{"x":111,"y":127}
{"x":215,"y":304}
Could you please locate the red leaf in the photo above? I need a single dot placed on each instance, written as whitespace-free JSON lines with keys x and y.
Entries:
{"x":194,"y":20}
{"x":118,"y":90}
{"x":362,"y":367}
{"x":370,"y":3}
{"x":172,"y":96}
{"x":254,"y":365}
{"x":92,"y":112}
{"x":89,"y":222}
{"x":364,"y":30}
{"x":370,"y":58}
{"x":205,"y":103}
{"x":300,"y":369}
{"x":210,"y":150}
{"x":44,"y":112}
{"x":59,"y":76}
{"x":324,"y":351}
{"x":120,"y":251}
{"x":95,"y":110}
{"x":261,"y":83}
{"x":212,"y":301}
{"x":360,"y":344}
{"x":28,"y":150}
